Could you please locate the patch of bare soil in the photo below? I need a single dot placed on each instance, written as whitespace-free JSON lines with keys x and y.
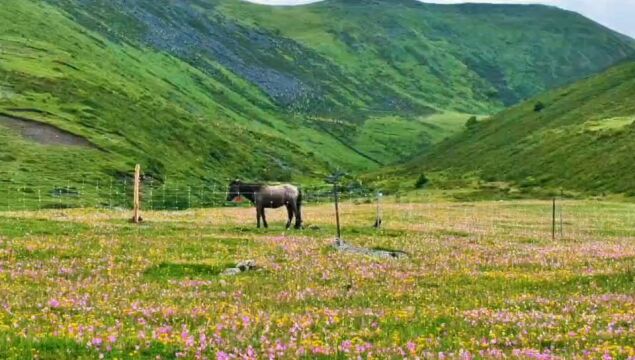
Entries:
{"x":44,"y":134}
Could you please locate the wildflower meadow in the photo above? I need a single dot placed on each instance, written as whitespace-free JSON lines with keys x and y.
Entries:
{"x":481,"y":280}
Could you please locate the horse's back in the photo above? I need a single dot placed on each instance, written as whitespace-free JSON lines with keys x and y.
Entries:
{"x":286,"y":189}
{"x":279,"y":195}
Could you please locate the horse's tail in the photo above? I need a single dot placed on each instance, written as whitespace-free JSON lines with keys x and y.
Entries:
{"x":299,"y":206}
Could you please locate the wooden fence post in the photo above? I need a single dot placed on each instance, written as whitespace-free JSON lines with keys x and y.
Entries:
{"x":337,"y":210}
{"x":136,"y":218}
{"x":561,"y":220}
{"x":378,"y":218}
{"x":553,"y":220}
{"x":335,"y":179}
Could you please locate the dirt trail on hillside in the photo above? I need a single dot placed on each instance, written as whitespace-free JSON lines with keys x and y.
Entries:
{"x":42,"y":133}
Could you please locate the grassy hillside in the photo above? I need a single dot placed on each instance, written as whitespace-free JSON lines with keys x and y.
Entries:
{"x":471,"y":58}
{"x":204,"y":91}
{"x":138,"y":105}
{"x":582,"y":139}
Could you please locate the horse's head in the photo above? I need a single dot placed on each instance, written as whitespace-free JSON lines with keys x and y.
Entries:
{"x":234,"y":190}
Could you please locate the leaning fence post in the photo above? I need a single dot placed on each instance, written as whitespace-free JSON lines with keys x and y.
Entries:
{"x":136,"y":218}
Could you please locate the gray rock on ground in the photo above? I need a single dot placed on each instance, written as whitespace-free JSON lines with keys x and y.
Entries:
{"x":243,"y":266}
{"x":246,"y":265}
{"x":231,"y":272}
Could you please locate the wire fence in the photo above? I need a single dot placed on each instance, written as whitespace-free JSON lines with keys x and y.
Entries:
{"x":419,"y":209}
{"x":118,"y":195}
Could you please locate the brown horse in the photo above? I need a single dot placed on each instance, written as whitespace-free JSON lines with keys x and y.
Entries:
{"x":269,"y":196}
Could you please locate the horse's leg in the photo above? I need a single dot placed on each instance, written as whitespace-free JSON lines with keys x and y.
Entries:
{"x":298,"y":215}
{"x":298,"y":211}
{"x":264,"y":219}
{"x":294,"y":210}
{"x":290,"y":212}
{"x":258,"y":216}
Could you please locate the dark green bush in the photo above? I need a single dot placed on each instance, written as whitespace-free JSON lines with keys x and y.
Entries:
{"x":421,"y":181}
{"x":471,"y":123}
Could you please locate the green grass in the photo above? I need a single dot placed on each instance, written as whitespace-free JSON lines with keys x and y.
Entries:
{"x":582,"y":141}
{"x":610,"y":124}
{"x":185,"y":271}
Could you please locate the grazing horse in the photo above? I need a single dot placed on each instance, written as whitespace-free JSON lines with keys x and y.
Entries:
{"x":269,"y":196}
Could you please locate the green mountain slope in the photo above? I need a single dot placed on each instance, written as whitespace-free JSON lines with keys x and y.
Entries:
{"x":203,"y":91}
{"x":471,"y":58}
{"x":582,"y":139}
